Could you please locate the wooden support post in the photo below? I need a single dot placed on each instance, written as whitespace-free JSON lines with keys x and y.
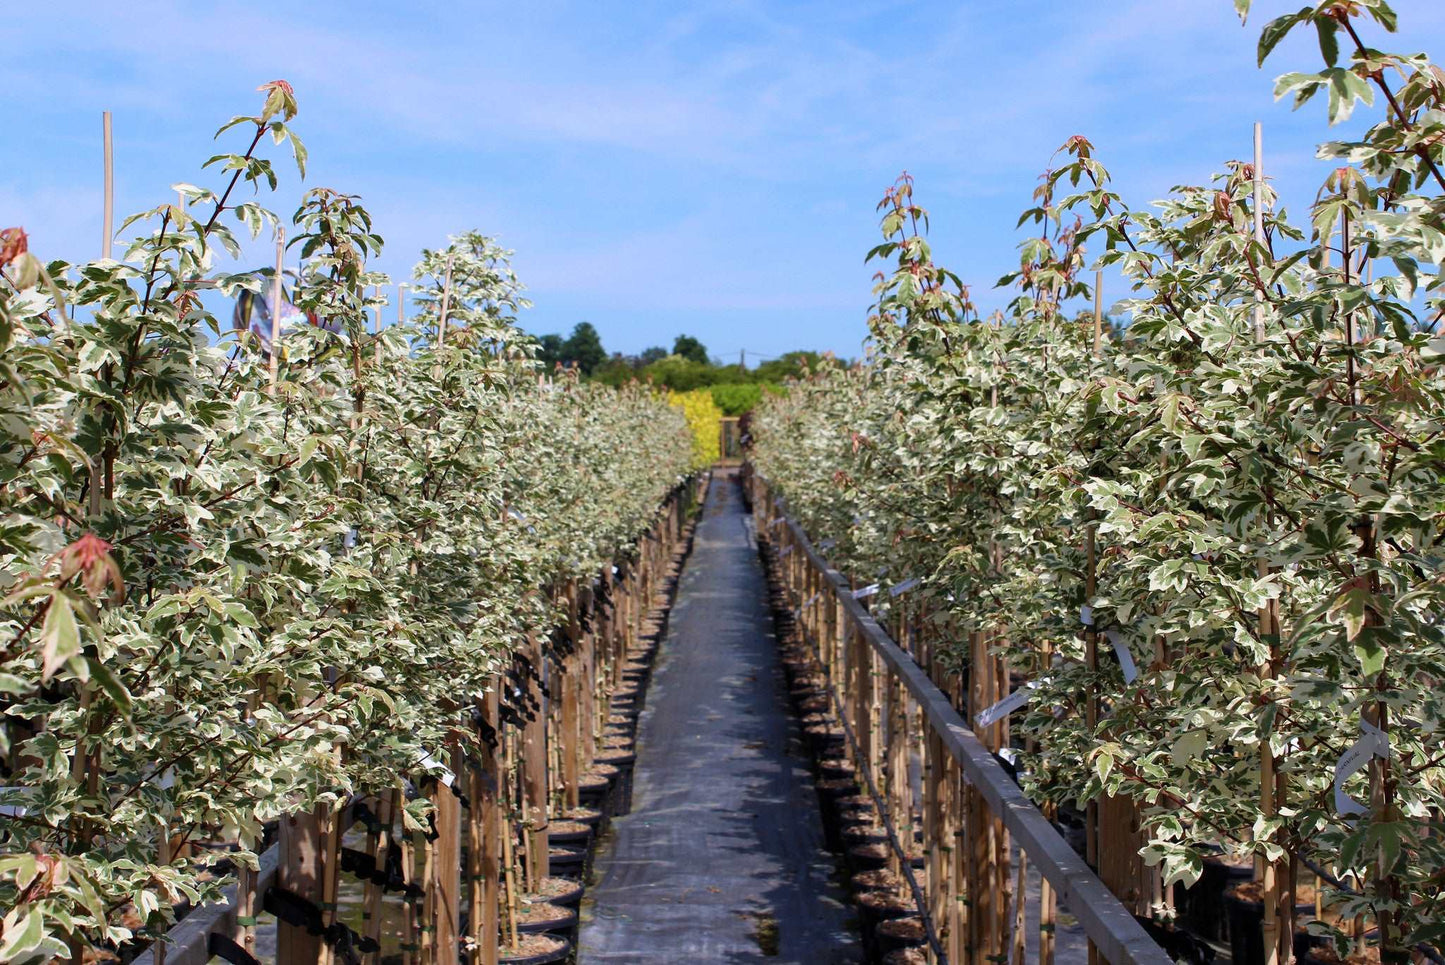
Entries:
{"x":571,"y":730}
{"x":886,"y":766}
{"x":483,"y":783}
{"x":982,"y":883}
{"x":534,"y":783}
{"x":330,"y":826}
{"x":935,"y":826}
{"x":445,"y":881}
{"x":587,"y":682}
{"x":378,"y":845}
{"x":300,"y":872}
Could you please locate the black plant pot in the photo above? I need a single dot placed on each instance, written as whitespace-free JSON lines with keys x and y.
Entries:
{"x":553,"y":918}
{"x":862,"y":858}
{"x":568,"y":862}
{"x":872,"y":913}
{"x":559,"y":953}
{"x":572,"y":896}
{"x":576,"y":840}
{"x":625,"y":762}
{"x":1246,"y":928}
{"x":1201,"y":907}
{"x":894,"y":933}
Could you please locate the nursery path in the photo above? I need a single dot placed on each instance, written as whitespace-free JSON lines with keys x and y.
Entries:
{"x":722,"y":858}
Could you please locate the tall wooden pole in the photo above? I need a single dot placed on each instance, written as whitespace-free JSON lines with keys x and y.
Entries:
{"x":300,"y":872}
{"x":1091,"y":639}
{"x":276,"y":304}
{"x":107,"y":230}
{"x":108,"y":203}
{"x":446,"y":303}
{"x":1277,"y":946}
{"x":1259,"y":221}
{"x":446,"y":881}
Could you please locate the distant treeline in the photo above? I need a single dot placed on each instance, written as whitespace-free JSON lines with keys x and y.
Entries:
{"x":688,"y":366}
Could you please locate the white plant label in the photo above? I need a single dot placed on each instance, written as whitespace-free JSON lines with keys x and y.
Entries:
{"x":905,"y":586}
{"x":443,"y":773}
{"x":1014,"y":701}
{"x":812,"y":599}
{"x":1126,"y":659}
{"x":1086,"y":615}
{"x":786,"y":550}
{"x":1372,"y":743}
{"x":776,"y":521}
{"x":865,"y":592}
{"x":827,"y":544}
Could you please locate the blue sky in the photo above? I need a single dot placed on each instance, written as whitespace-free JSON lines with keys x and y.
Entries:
{"x":661,"y":167}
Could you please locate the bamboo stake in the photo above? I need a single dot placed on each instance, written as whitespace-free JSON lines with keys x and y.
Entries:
{"x":509,"y":859}
{"x":1259,"y":221}
{"x":1091,"y":639}
{"x":245,"y":935}
{"x":276,"y":305}
{"x":331,"y":830}
{"x":1278,"y":941}
{"x":379,"y":846}
{"x":487,"y":790}
{"x":446,"y":303}
{"x":534,"y":771}
{"x":411,"y":942}
{"x":97,"y":498}
{"x":429,"y":902}
{"x":1020,"y":910}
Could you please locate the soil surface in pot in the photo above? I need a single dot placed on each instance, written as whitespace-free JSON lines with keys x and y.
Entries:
{"x":535,"y":947}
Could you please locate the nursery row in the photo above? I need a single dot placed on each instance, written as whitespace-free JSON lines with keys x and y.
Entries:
{"x":1193,"y":546}
{"x":266,"y":567}
{"x":921,"y":809}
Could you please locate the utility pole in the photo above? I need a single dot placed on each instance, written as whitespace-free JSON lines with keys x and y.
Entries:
{"x":742,"y":359}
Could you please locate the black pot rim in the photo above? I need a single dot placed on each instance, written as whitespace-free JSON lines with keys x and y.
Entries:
{"x":560,"y":923}
{"x":545,"y":958}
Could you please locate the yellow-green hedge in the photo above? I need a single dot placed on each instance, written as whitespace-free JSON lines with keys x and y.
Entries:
{"x":704,"y":418}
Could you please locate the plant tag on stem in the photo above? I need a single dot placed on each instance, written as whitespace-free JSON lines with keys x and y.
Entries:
{"x":1086,"y":615}
{"x":1372,"y":742}
{"x":865,"y":592}
{"x":827,"y":544}
{"x":1126,"y":659}
{"x":442,"y":772}
{"x":905,"y":586}
{"x":1014,"y":701}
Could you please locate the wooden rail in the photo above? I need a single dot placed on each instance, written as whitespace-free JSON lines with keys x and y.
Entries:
{"x":190,"y":941}
{"x":896,"y":707}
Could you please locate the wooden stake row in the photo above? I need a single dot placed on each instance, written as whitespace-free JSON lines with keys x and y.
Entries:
{"x":973,"y":891}
{"x":488,"y":849}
